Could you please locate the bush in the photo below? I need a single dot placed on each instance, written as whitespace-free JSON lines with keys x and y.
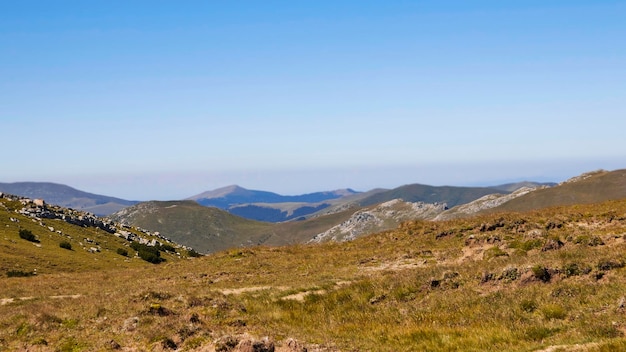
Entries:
{"x":122,"y":252}
{"x":509,"y":274}
{"x":147,"y":253}
{"x":192,"y":253}
{"x":150,"y":257}
{"x":595,"y":241}
{"x":541,"y":273}
{"x":528,"y":305}
{"x":19,"y":273}
{"x":494,"y":252}
{"x":65,"y":245}
{"x":571,"y":269}
{"x":553,"y":311}
{"x":28,"y":236}
{"x":608,"y":264}
{"x":527,"y":245}
{"x":168,"y":248}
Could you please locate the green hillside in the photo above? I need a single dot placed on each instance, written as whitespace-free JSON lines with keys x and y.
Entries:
{"x":206,"y":229}
{"x":88,"y":248}
{"x":209,"y":229}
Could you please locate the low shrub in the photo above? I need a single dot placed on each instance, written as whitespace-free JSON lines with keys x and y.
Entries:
{"x":147,"y":253}
{"x":150,"y":256}
{"x":528,"y":305}
{"x":122,"y":252}
{"x":609,"y":264}
{"x":19,"y":273}
{"x":168,"y":248}
{"x":541,"y":273}
{"x":527,"y":245}
{"x":553,"y":311}
{"x":595,"y":241}
{"x":510,"y":274}
{"x":65,"y":245}
{"x":192,"y":253}
{"x":494,"y":252}
{"x":28,"y":235}
{"x":571,"y":269}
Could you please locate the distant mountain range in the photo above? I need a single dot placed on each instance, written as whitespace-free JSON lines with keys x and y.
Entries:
{"x":229,"y":217}
{"x":268,"y":206}
{"x":346,"y":214}
{"x":66,"y":196}
{"x":272,"y":207}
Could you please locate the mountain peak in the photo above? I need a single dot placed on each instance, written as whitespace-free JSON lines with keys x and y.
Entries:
{"x":219,"y":192}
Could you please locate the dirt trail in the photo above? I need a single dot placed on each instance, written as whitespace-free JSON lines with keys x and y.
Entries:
{"x":5,"y":301}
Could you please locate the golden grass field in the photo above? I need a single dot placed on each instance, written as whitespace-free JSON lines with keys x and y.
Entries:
{"x":549,"y":280}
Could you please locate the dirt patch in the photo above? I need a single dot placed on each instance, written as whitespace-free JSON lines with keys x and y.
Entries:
{"x":301,"y":295}
{"x":66,"y":296}
{"x":396,"y":266}
{"x":5,"y":301}
{"x":238,"y":291}
{"x":471,"y":253}
{"x":575,"y":348}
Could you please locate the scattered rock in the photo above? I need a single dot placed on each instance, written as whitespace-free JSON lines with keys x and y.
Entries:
{"x":377,"y":299}
{"x":226,"y":343}
{"x":292,"y":346}
{"x":130,"y":324}
{"x":113,"y":345}
{"x":486,"y":277}
{"x":252,"y":345}
{"x":552,"y":245}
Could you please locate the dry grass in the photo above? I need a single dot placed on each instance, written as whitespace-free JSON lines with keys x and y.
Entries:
{"x":425,"y":286}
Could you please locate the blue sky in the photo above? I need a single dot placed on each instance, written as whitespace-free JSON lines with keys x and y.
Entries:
{"x":167,"y":99}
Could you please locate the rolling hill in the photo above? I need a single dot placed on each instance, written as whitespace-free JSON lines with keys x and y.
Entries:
{"x":450,"y":195}
{"x":207,"y":229}
{"x":592,"y":187}
{"x":66,"y":196}
{"x":31,"y":235}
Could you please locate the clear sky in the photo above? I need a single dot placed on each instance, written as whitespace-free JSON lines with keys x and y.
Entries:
{"x":166,"y":99}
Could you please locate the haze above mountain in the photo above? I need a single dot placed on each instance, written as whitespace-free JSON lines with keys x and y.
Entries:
{"x":67,"y":196}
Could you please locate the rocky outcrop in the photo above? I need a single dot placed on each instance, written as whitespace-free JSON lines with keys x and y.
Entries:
{"x":38,"y":210}
{"x":583,"y":176}
{"x":385,"y":216}
{"x":487,"y":202}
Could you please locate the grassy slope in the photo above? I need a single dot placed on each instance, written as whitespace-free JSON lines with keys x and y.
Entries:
{"x":468,"y":284}
{"x":599,"y":187}
{"x":47,"y":256}
{"x":209,"y":229}
{"x":206,"y":229}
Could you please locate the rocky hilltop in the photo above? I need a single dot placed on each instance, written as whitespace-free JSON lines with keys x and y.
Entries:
{"x":385,"y":216}
{"x":54,"y":220}
{"x":487,"y":202}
